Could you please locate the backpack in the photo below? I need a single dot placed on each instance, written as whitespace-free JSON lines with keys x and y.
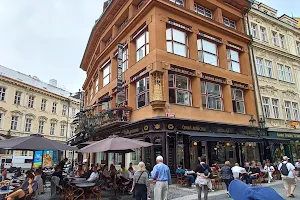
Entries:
{"x":206,"y":172}
{"x":284,"y":170}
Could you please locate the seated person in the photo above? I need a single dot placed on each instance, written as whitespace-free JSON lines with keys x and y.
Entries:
{"x":252,"y":174}
{"x":216,"y":166}
{"x":94,"y":175}
{"x":124,"y":172}
{"x":269,"y":169}
{"x":87,"y":172}
{"x":3,"y":175}
{"x":58,"y":173}
{"x":190,"y":178}
{"x":30,"y":186}
{"x":39,"y":180}
{"x":105,"y":172}
{"x":130,"y":168}
{"x":18,"y":172}
{"x":237,"y":170}
{"x":80,"y":172}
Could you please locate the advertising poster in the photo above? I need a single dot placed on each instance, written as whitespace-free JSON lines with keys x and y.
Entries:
{"x":38,"y":157}
{"x":55,"y":157}
{"x":47,"y":158}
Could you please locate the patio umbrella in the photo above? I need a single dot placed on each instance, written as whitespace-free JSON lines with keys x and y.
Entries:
{"x":114,"y":144}
{"x":34,"y":142}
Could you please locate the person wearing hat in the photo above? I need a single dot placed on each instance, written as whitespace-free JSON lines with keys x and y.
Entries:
{"x":238,"y":190}
{"x":288,"y":175}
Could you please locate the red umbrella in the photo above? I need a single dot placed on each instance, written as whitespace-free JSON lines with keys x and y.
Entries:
{"x":114,"y":143}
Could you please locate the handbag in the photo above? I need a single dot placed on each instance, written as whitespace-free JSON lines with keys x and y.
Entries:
{"x":133,"y":191}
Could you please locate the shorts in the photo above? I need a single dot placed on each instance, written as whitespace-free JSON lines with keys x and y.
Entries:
{"x":288,"y":181}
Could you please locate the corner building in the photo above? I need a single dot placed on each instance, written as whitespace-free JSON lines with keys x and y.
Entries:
{"x":186,"y":81}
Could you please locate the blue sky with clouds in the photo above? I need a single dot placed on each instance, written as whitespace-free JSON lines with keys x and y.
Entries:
{"x":47,"y":38}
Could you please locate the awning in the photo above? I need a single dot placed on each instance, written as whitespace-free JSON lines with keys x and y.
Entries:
{"x":276,"y":140}
{"x":207,"y":136}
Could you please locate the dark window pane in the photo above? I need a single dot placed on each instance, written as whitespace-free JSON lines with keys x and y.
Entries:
{"x":172,"y":97}
{"x":141,"y":100}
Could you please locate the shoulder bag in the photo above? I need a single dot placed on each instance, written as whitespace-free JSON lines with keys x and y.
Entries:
{"x":133,"y":191}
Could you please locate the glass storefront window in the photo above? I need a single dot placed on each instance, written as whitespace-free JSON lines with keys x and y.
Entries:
{"x":180,"y":151}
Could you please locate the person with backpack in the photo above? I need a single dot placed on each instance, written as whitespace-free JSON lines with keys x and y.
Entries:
{"x":204,"y":174}
{"x":288,"y":175}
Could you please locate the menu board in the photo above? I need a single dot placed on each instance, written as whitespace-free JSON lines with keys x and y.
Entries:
{"x":47,"y":158}
{"x":38,"y":158}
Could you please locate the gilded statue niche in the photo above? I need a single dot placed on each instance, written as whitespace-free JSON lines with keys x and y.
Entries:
{"x":157,"y":90}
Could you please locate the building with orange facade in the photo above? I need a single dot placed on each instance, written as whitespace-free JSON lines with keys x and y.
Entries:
{"x":175,"y":73}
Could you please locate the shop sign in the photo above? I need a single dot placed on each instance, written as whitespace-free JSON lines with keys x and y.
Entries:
{"x":131,"y":131}
{"x":120,"y":59}
{"x":240,"y":85}
{"x":288,"y":135}
{"x":225,"y":130}
{"x":179,"y":25}
{"x":182,"y":71}
{"x":170,"y":115}
{"x":139,"y":75}
{"x":210,"y":37}
{"x":213,"y":78}
{"x":193,"y":128}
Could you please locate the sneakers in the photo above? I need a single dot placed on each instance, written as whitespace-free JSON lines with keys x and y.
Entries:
{"x":211,"y":190}
{"x":292,"y":195}
{"x":228,"y":194}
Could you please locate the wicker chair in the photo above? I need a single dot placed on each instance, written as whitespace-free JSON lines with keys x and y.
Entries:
{"x":181,"y":179}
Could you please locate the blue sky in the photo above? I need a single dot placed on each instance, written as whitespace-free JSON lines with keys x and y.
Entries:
{"x":47,"y":38}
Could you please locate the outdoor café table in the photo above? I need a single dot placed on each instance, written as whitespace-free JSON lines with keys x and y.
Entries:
{"x":85,"y":186}
{"x":5,"y":192}
{"x":78,"y":180}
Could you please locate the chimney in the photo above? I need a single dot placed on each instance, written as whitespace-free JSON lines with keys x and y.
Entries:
{"x":106,"y":3}
{"x":53,"y":82}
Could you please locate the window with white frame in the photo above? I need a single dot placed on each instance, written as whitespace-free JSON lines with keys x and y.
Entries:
{"x":233,"y":59}
{"x":142,"y":45}
{"x":1,"y":119}
{"x":238,"y":101}
{"x":28,"y":123}
{"x":52,"y":128}
{"x":2,"y":93}
{"x":178,"y":2}
{"x":282,"y":40}
{"x":106,"y":74}
{"x":64,"y":110}
{"x":266,"y":107}
{"x":14,"y":122}
{"x":280,"y":72}
{"x":62,"y":129}
{"x":298,"y":47}
{"x":72,"y":131}
{"x":41,"y":126}
{"x":207,"y":52}
{"x":202,"y":10}
{"x":295,"y":111}
{"x":288,"y":74}
{"x":229,"y":23}
{"x":17,"y":100}
{"x":73,"y":112}
{"x":212,"y":97}
{"x":180,"y":91}
{"x":260,"y":66}
{"x":254,"y":30}
{"x":142,"y":92}
{"x":96,"y":84}
{"x":177,"y":41}
{"x":30,"y":101}
{"x":264,"y":36}
{"x":54,"y":106}
{"x":43,"y":104}
{"x":140,"y":4}
{"x":269,"y":68}
{"x":105,"y":105}
{"x":275,"y":107}
{"x":288,"y":111}
{"x":275,"y":38}
{"x":125,"y":59}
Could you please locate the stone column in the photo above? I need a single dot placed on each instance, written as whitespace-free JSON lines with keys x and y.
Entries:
{"x":192,"y":40}
{"x":227,"y":100}
{"x":217,"y":15}
{"x":190,"y":4}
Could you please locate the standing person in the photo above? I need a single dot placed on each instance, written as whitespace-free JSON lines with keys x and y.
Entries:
{"x":237,"y":170}
{"x":203,"y":173}
{"x":297,"y":166}
{"x":141,"y":185}
{"x":161,"y":174}
{"x":269,"y":169}
{"x":288,"y":175}
{"x":226,"y":174}
{"x":62,"y":163}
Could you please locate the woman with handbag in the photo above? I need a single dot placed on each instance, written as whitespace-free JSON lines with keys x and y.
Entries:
{"x":203,"y":177}
{"x":140,"y":186}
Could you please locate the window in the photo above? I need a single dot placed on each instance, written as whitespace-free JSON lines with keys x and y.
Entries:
{"x":52,"y":129}
{"x":233,"y":60}
{"x":180,"y":90}
{"x":105,"y":106}
{"x":207,"y":52}
{"x":30,"y":101}
{"x":274,"y":38}
{"x":140,"y":4}
{"x":298,"y":47}
{"x":296,"y":111}
{"x":43,"y":104}
{"x":91,"y":92}
{"x":142,"y":46}
{"x":124,"y":59}
{"x":64,"y":110}
{"x":202,"y":11}
{"x":275,"y":106}
{"x":17,"y":100}
{"x":238,"y":100}
{"x":178,"y":2}
{"x":260,"y":66}
{"x":28,"y":125}
{"x":282,"y":41}
{"x":254,"y":30}
{"x":229,"y":23}
{"x":269,"y":68}
{"x":123,"y":24}
{"x":177,"y":42}
{"x":106,"y":75}
{"x":264,"y":35}
{"x":96,"y":84}
{"x":142,"y":92}
{"x":288,"y":74}
{"x":1,"y":119}
{"x":54,"y":107}
{"x":266,"y":107}
{"x":62,"y":129}
{"x":72,"y":130}
{"x":280,"y":72}
{"x":41,"y":126}
{"x":14,"y":123}
{"x":288,"y":110}
{"x":211,"y":96}
{"x":2,"y":93}
{"x":122,"y":97}
{"x":73,"y":112}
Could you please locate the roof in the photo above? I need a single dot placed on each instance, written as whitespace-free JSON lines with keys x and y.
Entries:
{"x":29,"y":80}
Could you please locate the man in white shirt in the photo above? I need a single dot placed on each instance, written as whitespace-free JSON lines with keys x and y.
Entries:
{"x":269,"y":170}
{"x":236,"y":170}
{"x":94,"y":175}
{"x":288,"y":176}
